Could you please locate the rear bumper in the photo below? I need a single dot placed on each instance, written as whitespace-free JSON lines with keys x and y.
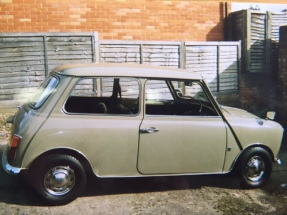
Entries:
{"x":6,"y":166}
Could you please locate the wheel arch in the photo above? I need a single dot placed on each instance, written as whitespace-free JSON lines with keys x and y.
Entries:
{"x":67,"y":151}
{"x":237,"y":159}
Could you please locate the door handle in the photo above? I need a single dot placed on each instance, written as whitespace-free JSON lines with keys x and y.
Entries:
{"x":148,"y":130}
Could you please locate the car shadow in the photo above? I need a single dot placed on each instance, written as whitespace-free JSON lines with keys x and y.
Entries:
{"x":111,"y":186}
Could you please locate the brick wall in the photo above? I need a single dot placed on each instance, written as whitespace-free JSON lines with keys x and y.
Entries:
{"x":117,"y":19}
{"x":258,"y":92}
{"x":282,"y":76}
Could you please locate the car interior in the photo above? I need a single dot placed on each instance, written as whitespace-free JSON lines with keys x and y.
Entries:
{"x":121,"y":96}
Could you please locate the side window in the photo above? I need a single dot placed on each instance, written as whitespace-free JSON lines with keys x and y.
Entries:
{"x":157,"y":90}
{"x":158,"y":98}
{"x":104,"y":96}
{"x":190,"y":90}
{"x":177,"y":98}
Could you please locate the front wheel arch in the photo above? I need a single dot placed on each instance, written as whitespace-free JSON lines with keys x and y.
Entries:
{"x":234,"y":166}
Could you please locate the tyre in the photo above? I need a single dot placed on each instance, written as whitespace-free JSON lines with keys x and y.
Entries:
{"x":255,"y":167}
{"x":59,"y":179}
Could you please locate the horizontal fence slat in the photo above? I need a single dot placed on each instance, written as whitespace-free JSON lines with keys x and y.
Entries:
{"x":20,"y":64}
{"x":70,"y":47}
{"x":72,"y":39}
{"x":21,"y":49}
{"x":21,"y":44}
{"x":23,"y":58}
{"x":20,"y":39}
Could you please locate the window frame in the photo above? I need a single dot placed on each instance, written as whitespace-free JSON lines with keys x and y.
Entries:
{"x":109,"y":97}
{"x":177,"y":98}
{"x":41,"y":101}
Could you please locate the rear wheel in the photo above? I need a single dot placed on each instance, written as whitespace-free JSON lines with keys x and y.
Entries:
{"x":59,"y":179}
{"x":255,"y":167}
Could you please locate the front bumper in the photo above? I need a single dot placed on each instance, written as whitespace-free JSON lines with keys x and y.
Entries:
{"x":279,"y":161}
{"x":6,"y":166}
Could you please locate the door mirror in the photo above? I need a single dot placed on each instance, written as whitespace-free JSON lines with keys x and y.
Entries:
{"x":271,"y":115}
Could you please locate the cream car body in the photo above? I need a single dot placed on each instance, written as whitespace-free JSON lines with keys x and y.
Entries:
{"x":145,"y":127}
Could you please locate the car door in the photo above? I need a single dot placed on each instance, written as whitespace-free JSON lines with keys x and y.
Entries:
{"x":181,"y":131}
{"x":102,"y":117}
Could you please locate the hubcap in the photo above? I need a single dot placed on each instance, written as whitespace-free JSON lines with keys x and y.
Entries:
{"x":255,"y":168}
{"x":59,"y":180}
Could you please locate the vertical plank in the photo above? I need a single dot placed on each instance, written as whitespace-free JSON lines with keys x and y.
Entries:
{"x":268,"y":41}
{"x":248,"y":39}
{"x":218,"y":68}
{"x":182,"y":56}
{"x":243,"y":43}
{"x":141,"y":54}
{"x":239,"y":65}
{"x":278,"y":19}
{"x":45,"y":55}
{"x":95,"y":47}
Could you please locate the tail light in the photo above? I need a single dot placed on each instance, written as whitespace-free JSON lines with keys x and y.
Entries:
{"x":13,"y":146}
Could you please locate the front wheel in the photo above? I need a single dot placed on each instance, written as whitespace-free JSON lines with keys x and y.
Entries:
{"x":255,"y":167}
{"x":59,"y":179}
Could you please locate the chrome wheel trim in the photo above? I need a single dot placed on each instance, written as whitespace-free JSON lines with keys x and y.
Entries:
{"x":255,"y":168}
{"x":59,"y":180}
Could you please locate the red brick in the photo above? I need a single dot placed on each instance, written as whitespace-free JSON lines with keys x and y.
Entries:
{"x":184,"y":20}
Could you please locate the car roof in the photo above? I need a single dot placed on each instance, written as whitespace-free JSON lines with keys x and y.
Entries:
{"x":123,"y":70}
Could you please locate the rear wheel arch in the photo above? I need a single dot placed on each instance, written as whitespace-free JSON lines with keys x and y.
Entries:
{"x":65,"y":151}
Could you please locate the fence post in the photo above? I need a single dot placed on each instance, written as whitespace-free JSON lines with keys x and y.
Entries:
{"x":141,"y":54}
{"x":182,"y":55}
{"x":239,"y":64}
{"x":248,"y":40}
{"x":218,"y":68}
{"x":95,"y":47}
{"x":268,"y":41}
{"x":45,"y":55}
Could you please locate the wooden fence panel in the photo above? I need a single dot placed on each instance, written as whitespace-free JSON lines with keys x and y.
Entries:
{"x":257,"y":42}
{"x":217,"y":63}
{"x":119,"y":53}
{"x":228,"y":68}
{"x":161,"y":55}
{"x":259,"y":33}
{"x":25,"y":59}
{"x":65,"y":50}
{"x":21,"y":67}
{"x":203,"y":60}
{"x":238,"y":25}
{"x":277,"y":20}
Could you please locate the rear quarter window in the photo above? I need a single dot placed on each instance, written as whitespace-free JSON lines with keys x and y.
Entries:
{"x":104,"y":96}
{"x":43,"y":92}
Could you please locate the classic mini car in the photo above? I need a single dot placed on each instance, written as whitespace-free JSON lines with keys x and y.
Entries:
{"x":128,"y":120}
